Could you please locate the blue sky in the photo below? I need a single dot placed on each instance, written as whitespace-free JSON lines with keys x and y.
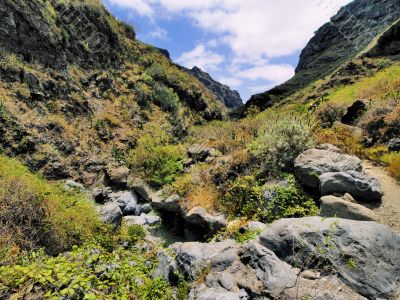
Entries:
{"x":250,"y":45}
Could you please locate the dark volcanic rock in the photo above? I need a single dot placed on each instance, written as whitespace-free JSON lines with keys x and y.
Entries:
{"x":354,"y":112}
{"x":230,"y":98}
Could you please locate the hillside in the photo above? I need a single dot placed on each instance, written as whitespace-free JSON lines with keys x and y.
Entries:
{"x":348,"y":33}
{"x":77,"y":88}
{"x":122,"y":176}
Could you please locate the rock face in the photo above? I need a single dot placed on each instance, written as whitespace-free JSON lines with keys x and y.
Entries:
{"x":230,"y":98}
{"x":360,"y":185}
{"x":365,"y":254}
{"x":315,"y":162}
{"x":394,"y":145}
{"x":334,"y":207}
{"x":356,"y":110}
{"x":348,"y":33}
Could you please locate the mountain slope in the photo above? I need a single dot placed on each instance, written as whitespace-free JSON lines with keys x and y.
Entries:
{"x":77,"y":90}
{"x":348,"y":33}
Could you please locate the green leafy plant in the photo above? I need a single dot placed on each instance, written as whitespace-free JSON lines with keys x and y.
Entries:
{"x":136,"y":233}
{"x":281,"y":141}
{"x":287,"y":201}
{"x":247,"y":235}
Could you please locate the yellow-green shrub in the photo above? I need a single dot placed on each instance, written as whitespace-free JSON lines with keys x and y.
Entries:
{"x":35,"y":213}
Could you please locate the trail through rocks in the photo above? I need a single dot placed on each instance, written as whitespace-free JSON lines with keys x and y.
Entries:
{"x":388,"y":211}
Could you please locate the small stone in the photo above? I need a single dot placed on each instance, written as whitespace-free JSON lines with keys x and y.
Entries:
{"x":226,"y":281}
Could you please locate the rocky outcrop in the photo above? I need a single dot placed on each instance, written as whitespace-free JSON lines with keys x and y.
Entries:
{"x":388,"y":43}
{"x":333,"y":173}
{"x":334,"y":207}
{"x":354,"y":112}
{"x":366,"y":255}
{"x":230,"y":98}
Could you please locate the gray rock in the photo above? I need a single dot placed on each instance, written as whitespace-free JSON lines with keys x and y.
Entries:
{"x":143,"y":219}
{"x":171,"y":204}
{"x":200,"y":153}
{"x":146,"y":208}
{"x":110,"y":213}
{"x":394,"y":145}
{"x":199,"y":217}
{"x":253,"y":225}
{"x":275,"y":274}
{"x":131,"y":209}
{"x":365,"y":254}
{"x":222,"y":261}
{"x":360,"y":185}
{"x":328,"y":147}
{"x":192,"y":258}
{"x":101,"y":195}
{"x":314,"y":162}
{"x":141,"y":187}
{"x":205,"y":293}
{"x":123,"y":198}
{"x":72,"y":185}
{"x":166,"y":267}
{"x":226,"y":281}
{"x":117,"y":174}
{"x":332,"y":206}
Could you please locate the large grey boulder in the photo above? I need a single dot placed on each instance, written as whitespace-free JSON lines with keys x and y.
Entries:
{"x":123,"y":198}
{"x":200,"y":153}
{"x":314,"y":162}
{"x":275,"y":274}
{"x":332,"y":206}
{"x":110,"y":213}
{"x":141,"y":188}
{"x":193,"y":258}
{"x":199,"y":217}
{"x":171,"y":204}
{"x":360,"y":185}
{"x":366,"y":255}
{"x":143,"y":219}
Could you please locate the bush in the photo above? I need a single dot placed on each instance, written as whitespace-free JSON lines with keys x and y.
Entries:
{"x":159,"y":162}
{"x":243,"y":198}
{"x":87,"y":272}
{"x":136,"y":233}
{"x":329,"y":114}
{"x":166,"y":98}
{"x":287,"y":201}
{"x":280,"y":142}
{"x":34,"y":213}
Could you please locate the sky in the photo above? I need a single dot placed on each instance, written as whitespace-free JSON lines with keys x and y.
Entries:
{"x":249,"y":45}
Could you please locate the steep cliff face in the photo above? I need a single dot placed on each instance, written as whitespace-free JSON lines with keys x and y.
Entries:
{"x":227,"y":96}
{"x":77,"y":88}
{"x":348,"y":33}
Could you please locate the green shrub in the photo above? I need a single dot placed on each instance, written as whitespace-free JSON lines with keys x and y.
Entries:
{"x":34,"y":213}
{"x":166,"y":98}
{"x":281,"y":141}
{"x":329,"y":114}
{"x":247,"y":235}
{"x":287,"y":201}
{"x":87,"y":272}
{"x":136,"y":233}
{"x":243,"y":198}
{"x":2,"y":107}
{"x":157,"y":161}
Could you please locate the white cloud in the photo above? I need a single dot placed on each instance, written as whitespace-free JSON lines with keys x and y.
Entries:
{"x":202,"y":58}
{"x":231,"y":81}
{"x":274,"y":73}
{"x":143,"y":7}
{"x":159,"y":33}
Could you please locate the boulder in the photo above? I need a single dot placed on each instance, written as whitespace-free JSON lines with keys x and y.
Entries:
{"x":314,"y":162}
{"x":131,"y":209}
{"x":332,"y":206}
{"x":117,"y":175}
{"x":365,"y":254}
{"x":110,"y":213}
{"x":275,"y":274}
{"x":356,"y":110}
{"x":193,"y":257}
{"x":146,"y":208}
{"x":199,"y":217}
{"x":141,"y":188}
{"x":360,"y":185}
{"x":328,"y":147}
{"x":200,"y":153}
{"x":143,"y":219}
{"x":171,"y":204}
{"x":101,"y":195}
{"x":123,"y":198}
{"x":394,"y":145}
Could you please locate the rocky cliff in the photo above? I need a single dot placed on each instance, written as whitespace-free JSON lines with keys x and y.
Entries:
{"x":229,"y":97}
{"x":347,"y":34}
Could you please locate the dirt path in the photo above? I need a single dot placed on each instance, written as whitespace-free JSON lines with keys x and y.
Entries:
{"x":389,"y":211}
